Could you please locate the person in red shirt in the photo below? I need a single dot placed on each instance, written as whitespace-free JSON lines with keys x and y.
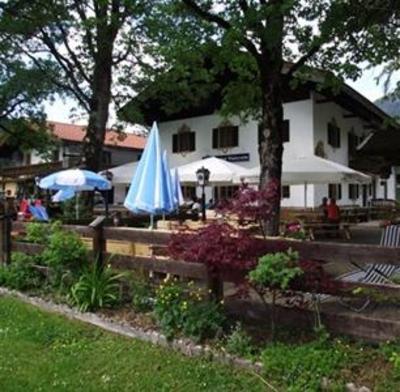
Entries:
{"x":333,"y":211}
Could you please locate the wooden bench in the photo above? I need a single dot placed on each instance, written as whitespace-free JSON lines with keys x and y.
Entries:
{"x":318,"y":228}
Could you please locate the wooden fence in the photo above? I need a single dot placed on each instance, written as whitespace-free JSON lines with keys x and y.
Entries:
{"x":323,"y":252}
{"x":375,"y":329}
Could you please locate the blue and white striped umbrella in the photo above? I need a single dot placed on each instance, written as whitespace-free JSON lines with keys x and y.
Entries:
{"x":76,"y":180}
{"x":63,"y":195}
{"x":167,"y":174}
{"x":149,"y":190}
{"x":176,"y":188}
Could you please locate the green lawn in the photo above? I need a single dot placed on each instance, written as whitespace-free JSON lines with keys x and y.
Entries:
{"x":46,"y":352}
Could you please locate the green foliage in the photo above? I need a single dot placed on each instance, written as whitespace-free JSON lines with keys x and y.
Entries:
{"x":180,"y":311}
{"x":72,"y":206}
{"x":276,"y":270}
{"x":65,"y":250}
{"x":21,"y":273}
{"x":302,"y":367}
{"x":202,"y":320}
{"x":142,"y":294}
{"x":96,"y":288}
{"x":239,"y":343}
{"x":39,"y":233}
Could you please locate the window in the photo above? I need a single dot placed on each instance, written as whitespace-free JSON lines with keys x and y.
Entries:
{"x":285,"y":132}
{"x":225,"y":137}
{"x":353,"y":141}
{"x":55,"y":155}
{"x":335,"y":191}
{"x":184,"y":141}
{"x":354,"y":191}
{"x":188,"y":192}
{"x":285,"y":192}
{"x":28,"y":158}
{"x":333,"y":134}
{"x":224,"y":192}
{"x":107,"y":158}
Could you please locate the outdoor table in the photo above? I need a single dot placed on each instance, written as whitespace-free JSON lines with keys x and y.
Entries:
{"x":313,"y":228}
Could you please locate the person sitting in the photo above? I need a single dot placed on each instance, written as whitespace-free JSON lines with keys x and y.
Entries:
{"x":324,"y":208}
{"x":333,"y":214}
{"x":196,"y":206}
{"x":210,"y":204}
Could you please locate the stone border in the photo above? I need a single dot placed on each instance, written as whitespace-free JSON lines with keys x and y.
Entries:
{"x":184,"y":346}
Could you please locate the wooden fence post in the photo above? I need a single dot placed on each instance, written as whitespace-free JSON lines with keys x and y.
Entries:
{"x":5,"y":239}
{"x":215,"y":286}
{"x":99,"y":243}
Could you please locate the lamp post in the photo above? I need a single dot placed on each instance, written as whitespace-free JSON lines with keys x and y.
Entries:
{"x":203,"y":176}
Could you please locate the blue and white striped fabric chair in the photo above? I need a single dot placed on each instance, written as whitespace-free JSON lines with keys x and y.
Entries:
{"x":375,"y":273}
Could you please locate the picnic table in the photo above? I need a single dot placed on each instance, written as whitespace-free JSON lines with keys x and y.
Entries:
{"x":321,"y":228}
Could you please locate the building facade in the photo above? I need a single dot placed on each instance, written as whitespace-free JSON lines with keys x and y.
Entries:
{"x":18,"y":169}
{"x":316,"y":124}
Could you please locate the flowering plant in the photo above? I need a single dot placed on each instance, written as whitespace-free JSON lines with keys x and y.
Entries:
{"x":184,"y":309}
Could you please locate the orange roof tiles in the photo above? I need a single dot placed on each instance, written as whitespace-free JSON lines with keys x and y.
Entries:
{"x":76,"y":133}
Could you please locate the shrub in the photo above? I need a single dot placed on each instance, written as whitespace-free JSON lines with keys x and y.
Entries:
{"x":273,"y":274}
{"x":20,"y":274}
{"x":65,"y":251}
{"x":239,"y":343}
{"x":37,"y":233}
{"x":203,"y":320}
{"x":178,"y":310}
{"x":96,"y":288}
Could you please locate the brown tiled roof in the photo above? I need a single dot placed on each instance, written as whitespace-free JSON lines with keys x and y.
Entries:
{"x":76,"y":133}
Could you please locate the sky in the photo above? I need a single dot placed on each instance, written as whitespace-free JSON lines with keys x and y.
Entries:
{"x":367,"y":85}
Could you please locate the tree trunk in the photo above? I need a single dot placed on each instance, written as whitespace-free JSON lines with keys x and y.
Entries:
{"x":271,"y":148}
{"x":99,"y":110}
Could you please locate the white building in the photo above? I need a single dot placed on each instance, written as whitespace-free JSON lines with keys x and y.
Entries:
{"x":318,"y":123}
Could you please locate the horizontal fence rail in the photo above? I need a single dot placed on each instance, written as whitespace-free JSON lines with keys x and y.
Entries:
{"x":324,"y":252}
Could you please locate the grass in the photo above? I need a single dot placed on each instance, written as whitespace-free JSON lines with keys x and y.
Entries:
{"x":46,"y":352}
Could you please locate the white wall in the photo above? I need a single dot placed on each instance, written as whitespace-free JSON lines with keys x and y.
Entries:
{"x":299,"y":114}
{"x":324,"y":112}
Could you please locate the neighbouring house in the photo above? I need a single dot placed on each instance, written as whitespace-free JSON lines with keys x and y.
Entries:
{"x":317,"y":121}
{"x":18,"y":169}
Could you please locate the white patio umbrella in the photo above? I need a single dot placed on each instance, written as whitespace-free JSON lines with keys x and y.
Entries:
{"x":312,"y":170}
{"x":123,"y":174}
{"x":221,"y":171}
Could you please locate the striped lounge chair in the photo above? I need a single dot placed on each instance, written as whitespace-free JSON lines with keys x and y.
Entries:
{"x":375,"y":273}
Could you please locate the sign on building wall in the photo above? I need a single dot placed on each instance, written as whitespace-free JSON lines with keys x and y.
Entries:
{"x":244,"y":157}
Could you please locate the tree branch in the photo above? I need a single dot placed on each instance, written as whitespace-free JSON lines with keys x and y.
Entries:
{"x":299,"y":63}
{"x":89,"y":39}
{"x":72,"y":54}
{"x":210,"y":17}
{"x":213,"y":18}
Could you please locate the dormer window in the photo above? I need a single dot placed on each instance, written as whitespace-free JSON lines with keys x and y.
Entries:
{"x":225,"y":136}
{"x":184,"y":140}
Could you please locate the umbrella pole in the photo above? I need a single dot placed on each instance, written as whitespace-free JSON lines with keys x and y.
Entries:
{"x":77,"y":206}
{"x":305,"y":195}
{"x":151,"y":222}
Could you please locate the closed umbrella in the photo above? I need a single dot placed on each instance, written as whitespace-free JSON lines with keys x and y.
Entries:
{"x":150,"y":190}
{"x":176,"y":187}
